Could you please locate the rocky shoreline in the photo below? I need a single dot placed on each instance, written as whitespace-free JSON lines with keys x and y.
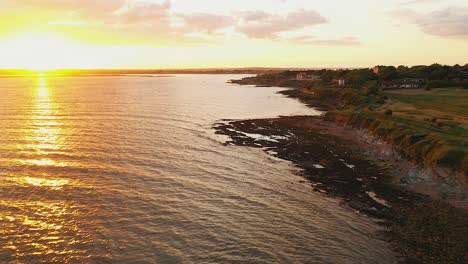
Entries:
{"x":339,"y":163}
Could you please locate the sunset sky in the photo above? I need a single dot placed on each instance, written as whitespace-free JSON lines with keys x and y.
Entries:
{"x":50,"y":34}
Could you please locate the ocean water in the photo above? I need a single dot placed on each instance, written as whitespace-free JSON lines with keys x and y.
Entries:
{"x":127,"y":169}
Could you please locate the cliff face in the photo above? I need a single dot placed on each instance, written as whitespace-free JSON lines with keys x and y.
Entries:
{"x":426,"y":149}
{"x":439,"y":147}
{"x":440,"y":153}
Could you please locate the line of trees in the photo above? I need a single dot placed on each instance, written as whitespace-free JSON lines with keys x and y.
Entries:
{"x":435,"y":75}
{"x":431,"y":72}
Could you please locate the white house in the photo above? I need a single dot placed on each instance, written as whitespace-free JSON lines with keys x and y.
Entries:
{"x":301,"y":76}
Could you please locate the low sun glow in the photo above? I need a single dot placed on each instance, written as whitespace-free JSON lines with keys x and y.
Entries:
{"x":40,"y":51}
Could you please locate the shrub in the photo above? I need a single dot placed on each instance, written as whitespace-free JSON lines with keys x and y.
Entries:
{"x":440,"y":84}
{"x":373,"y":90}
{"x":388,"y":112}
{"x":381,"y":101}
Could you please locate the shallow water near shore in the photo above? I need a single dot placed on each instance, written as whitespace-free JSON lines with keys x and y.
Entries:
{"x":128,"y":169}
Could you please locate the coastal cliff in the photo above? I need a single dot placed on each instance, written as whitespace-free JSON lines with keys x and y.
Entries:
{"x":427,"y":149}
{"x":438,"y":147}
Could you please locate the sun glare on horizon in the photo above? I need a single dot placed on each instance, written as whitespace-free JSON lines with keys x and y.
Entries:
{"x":39,"y":51}
{"x":176,"y":34}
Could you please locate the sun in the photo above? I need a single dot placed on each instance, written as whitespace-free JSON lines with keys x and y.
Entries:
{"x":40,"y":51}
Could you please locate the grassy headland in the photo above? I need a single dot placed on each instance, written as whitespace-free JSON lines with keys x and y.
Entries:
{"x":426,"y":125}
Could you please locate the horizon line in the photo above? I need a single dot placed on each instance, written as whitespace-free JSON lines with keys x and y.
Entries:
{"x":245,"y":68}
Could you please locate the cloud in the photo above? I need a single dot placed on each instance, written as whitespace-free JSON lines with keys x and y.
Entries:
{"x":415,"y":2}
{"x":253,"y":15}
{"x":151,"y":21}
{"x":448,"y":22}
{"x":311,"y":40}
{"x":204,"y":22}
{"x":65,"y":4}
{"x":259,"y":24}
{"x":82,"y":8}
{"x":143,"y":12}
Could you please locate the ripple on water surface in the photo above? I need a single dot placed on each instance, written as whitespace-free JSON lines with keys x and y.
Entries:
{"x":128,"y":169}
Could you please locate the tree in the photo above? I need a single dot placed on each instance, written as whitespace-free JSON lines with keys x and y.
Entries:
{"x":403,"y":71}
{"x":373,"y":90}
{"x":328,"y":75}
{"x":357,"y":78}
{"x":388,"y":73}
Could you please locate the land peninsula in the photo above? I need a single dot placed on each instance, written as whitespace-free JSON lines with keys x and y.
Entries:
{"x":391,"y":144}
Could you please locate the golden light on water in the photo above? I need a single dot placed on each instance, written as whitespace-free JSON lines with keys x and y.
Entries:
{"x":47,"y":129}
{"x":42,"y":89}
{"x":46,"y":135}
{"x":42,"y":228}
{"x":40,"y":182}
{"x":32,"y":225}
{"x":42,"y":162}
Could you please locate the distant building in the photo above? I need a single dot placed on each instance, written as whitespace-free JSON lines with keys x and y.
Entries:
{"x":313,"y":77}
{"x":340,"y":82}
{"x":305,"y":76}
{"x":403,"y":83}
{"x":301,"y":76}
{"x":376,"y":69}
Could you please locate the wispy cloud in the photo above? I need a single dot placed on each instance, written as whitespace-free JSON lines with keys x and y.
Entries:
{"x":311,"y":40}
{"x":142,"y":12}
{"x":82,"y":8}
{"x":448,"y":22}
{"x":415,"y":2}
{"x":259,"y":24}
{"x":157,"y":20}
{"x":451,"y":21}
{"x":204,"y":22}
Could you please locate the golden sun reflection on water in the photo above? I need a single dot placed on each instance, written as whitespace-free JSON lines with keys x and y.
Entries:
{"x":42,"y":87}
{"x":42,"y":162}
{"x":46,"y":133}
{"x":42,"y":229}
{"x":41,"y":222}
{"x":45,"y":136}
{"x":40,"y":182}
{"x":42,"y":91}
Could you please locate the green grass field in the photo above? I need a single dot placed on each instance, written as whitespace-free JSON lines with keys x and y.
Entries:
{"x":439,"y":114}
{"x":430,"y":127}
{"x":453,"y":102}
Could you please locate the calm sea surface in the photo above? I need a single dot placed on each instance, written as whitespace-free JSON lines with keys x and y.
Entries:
{"x":129,"y":170}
